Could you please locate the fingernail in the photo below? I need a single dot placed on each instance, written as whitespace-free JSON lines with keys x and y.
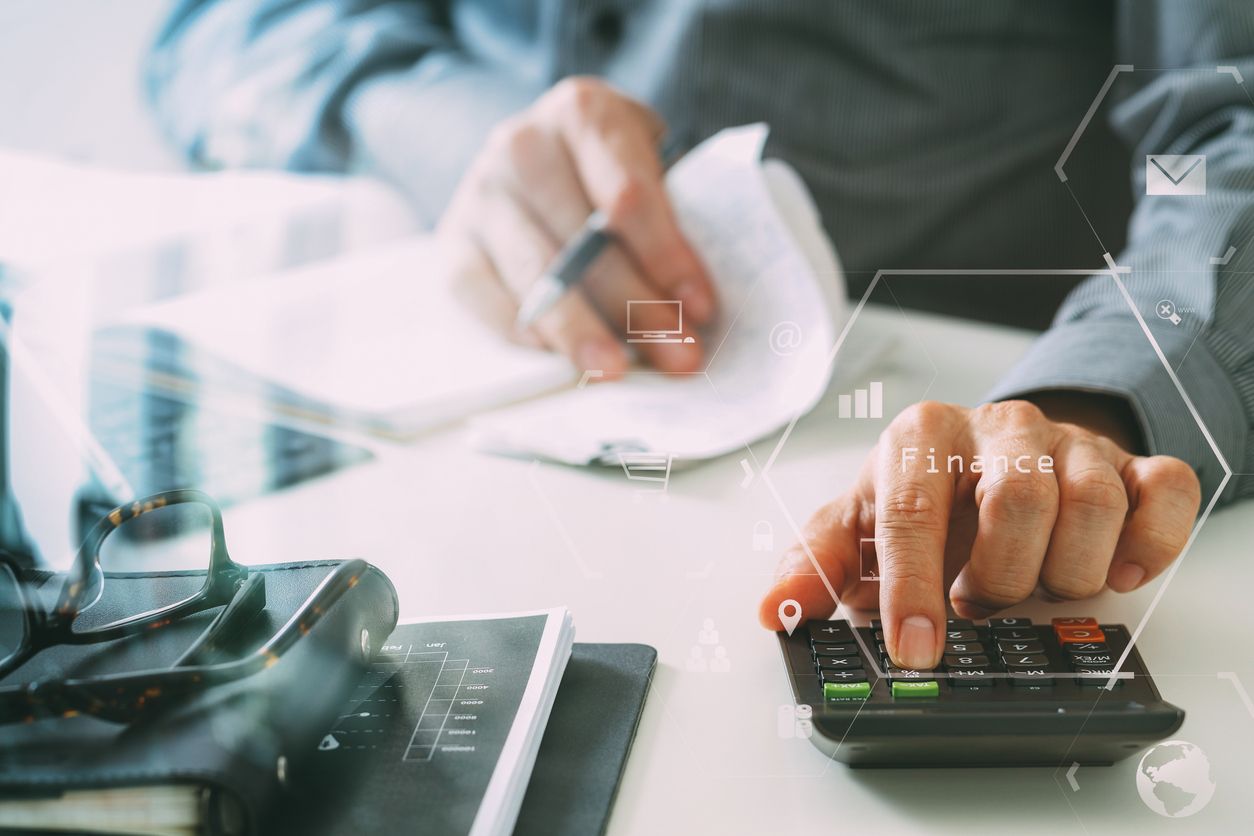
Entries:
{"x":599,"y":355}
{"x":916,"y":642}
{"x":1125,"y":577}
{"x":696,"y":300}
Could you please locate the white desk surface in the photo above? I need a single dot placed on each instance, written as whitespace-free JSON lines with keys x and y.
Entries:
{"x":460,"y":532}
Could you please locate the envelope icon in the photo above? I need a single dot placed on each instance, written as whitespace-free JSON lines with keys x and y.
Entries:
{"x":1175,"y":174}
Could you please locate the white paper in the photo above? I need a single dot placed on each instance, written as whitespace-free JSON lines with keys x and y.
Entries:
{"x":377,"y":339}
{"x":759,"y":235}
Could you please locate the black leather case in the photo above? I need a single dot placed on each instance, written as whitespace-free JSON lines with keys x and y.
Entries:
{"x":237,"y":741}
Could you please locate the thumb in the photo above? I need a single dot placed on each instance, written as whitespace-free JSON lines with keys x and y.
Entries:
{"x":817,"y":569}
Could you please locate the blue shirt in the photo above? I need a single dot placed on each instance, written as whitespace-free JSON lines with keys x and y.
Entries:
{"x":929,"y":132}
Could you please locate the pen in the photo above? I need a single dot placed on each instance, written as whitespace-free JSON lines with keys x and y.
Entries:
{"x":571,"y":264}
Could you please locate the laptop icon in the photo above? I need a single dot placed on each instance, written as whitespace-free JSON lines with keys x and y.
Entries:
{"x":656,"y":321}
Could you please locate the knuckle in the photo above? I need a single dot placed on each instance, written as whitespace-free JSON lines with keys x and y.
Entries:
{"x":1176,"y":475}
{"x":1014,"y":493}
{"x":924,"y":415}
{"x":627,"y":199}
{"x":581,"y":95}
{"x":1161,"y":545}
{"x":1001,"y":587}
{"x":1072,"y":585}
{"x":909,"y":507}
{"x":904,"y":572}
{"x":1017,"y":414}
{"x":516,"y":141}
{"x":1097,"y":491}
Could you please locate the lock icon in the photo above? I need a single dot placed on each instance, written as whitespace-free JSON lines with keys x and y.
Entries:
{"x":763,"y":537}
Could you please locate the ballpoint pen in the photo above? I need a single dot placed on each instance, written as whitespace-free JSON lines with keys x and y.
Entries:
{"x":571,"y":264}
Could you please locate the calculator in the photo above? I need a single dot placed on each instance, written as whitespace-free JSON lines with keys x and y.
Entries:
{"x":1007,"y":692}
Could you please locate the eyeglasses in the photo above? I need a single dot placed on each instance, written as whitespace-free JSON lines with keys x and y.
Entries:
{"x":130,"y":539}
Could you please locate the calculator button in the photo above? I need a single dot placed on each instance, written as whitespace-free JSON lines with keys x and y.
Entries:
{"x":849,"y":649}
{"x":961,"y":636}
{"x":964,"y":647}
{"x":1086,"y":647}
{"x":1092,"y":659}
{"x":1025,"y":660}
{"x":970,"y":676}
{"x":1030,"y":676}
{"x":835,"y":663}
{"x":878,"y":635}
{"x":830,"y":632}
{"x":916,"y":689}
{"x":959,"y":624}
{"x":844,"y":676}
{"x":1016,"y":623}
{"x":957,"y":660}
{"x":1014,"y":633}
{"x":1074,"y":622}
{"x":846,"y":690}
{"x":876,"y":624}
{"x":1070,"y":635}
{"x":896,"y":674}
{"x":1009,"y":647}
{"x":1096,"y":676}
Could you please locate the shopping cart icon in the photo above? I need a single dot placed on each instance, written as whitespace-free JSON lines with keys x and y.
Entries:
{"x":651,"y":468}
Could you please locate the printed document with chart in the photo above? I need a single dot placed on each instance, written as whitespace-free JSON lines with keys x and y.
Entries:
{"x":443,"y":731}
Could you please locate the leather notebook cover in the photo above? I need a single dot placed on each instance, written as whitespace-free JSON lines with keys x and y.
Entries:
{"x":587,"y":740}
{"x":229,"y":739}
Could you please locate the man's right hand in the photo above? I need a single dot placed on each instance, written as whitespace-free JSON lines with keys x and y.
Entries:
{"x":582,"y":146}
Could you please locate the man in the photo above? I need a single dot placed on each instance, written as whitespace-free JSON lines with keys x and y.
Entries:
{"x":928,"y":133}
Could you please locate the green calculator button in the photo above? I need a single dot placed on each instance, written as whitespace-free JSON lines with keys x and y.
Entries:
{"x":846,"y":690}
{"x":916,"y":689}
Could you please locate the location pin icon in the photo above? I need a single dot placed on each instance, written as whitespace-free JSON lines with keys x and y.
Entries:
{"x":789,"y":614}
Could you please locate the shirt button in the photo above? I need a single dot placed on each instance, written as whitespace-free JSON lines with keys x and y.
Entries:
{"x":606,"y":26}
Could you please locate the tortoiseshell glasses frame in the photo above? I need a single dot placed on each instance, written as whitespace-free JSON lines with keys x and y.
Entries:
{"x":122,"y":697}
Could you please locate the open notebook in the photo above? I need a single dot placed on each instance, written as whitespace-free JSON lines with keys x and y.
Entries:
{"x":375,"y":341}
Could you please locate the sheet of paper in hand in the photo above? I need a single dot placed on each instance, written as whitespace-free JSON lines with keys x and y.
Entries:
{"x":782,"y":298}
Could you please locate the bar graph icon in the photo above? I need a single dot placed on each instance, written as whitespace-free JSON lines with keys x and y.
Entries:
{"x":863,"y":403}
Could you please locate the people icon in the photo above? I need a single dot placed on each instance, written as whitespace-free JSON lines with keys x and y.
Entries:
{"x":707,"y":634}
{"x":696,"y":660}
{"x":720,"y":663}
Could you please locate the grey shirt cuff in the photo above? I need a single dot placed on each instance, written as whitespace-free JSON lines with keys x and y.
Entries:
{"x":1114,"y":357}
{"x":421,"y":127}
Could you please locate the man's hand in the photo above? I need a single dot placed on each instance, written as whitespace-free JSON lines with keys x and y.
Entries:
{"x":1055,"y":506}
{"x":582,"y":146}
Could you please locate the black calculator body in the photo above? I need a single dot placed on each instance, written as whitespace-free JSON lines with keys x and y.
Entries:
{"x":1008,"y":693}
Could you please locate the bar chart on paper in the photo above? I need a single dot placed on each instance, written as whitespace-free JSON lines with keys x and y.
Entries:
{"x":863,"y":403}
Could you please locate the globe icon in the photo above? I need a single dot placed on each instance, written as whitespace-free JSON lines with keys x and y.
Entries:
{"x":1174,"y":780}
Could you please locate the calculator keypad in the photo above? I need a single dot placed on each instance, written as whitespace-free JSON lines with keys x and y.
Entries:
{"x":1006,"y":652}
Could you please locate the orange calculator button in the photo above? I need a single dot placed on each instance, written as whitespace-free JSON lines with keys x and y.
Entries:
{"x":1070,"y":635}
{"x":1090,"y":623}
